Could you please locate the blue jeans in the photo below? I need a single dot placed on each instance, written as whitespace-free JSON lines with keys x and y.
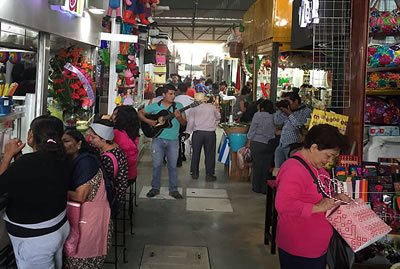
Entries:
{"x":281,"y":154}
{"x":160,"y":148}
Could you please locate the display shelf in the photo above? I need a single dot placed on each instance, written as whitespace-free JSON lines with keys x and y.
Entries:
{"x":383,"y":34}
{"x":11,"y":116}
{"x":382,"y":92}
{"x":383,"y":69}
{"x":379,"y":124}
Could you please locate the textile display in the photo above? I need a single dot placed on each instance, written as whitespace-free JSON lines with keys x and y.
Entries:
{"x":384,"y":56}
{"x":357,"y":224}
{"x":383,"y":80}
{"x":323,"y":117}
{"x":384,"y":21}
{"x":382,"y":111}
{"x":223,"y":156}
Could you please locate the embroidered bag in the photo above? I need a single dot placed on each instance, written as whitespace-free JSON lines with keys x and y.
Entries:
{"x":384,"y":21}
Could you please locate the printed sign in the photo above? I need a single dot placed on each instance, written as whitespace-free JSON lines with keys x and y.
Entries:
{"x":75,"y":7}
{"x":323,"y":117}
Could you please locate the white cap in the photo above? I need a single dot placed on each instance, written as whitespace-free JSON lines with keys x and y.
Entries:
{"x":105,"y":132}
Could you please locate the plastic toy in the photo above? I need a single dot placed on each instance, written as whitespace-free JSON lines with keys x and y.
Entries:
{"x":133,"y":8}
{"x":114,"y":4}
{"x":129,"y":79}
{"x":132,"y":66}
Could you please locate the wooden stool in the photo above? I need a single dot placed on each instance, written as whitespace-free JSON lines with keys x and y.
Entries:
{"x":271,"y":216}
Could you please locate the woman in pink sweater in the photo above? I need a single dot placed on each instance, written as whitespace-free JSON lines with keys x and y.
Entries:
{"x":126,"y":135}
{"x":303,"y":233}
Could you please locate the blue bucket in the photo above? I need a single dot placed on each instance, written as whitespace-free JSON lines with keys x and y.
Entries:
{"x":237,"y":141}
{"x":5,"y":104}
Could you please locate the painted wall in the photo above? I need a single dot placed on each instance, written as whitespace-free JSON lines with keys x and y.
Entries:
{"x":37,"y":15}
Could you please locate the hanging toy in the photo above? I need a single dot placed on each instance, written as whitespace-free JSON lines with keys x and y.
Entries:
{"x":133,"y":8}
{"x":132,"y":66}
{"x":114,"y":4}
{"x":15,"y":57}
{"x":148,"y":11}
{"x":129,"y":79}
{"x":4,"y":56}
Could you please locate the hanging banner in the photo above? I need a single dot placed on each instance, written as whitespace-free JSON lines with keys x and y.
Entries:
{"x":83,"y":79}
{"x":323,"y":117}
{"x":75,"y":7}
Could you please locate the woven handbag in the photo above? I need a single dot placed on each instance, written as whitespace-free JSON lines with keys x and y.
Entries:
{"x":384,"y":21}
{"x":383,"y":56}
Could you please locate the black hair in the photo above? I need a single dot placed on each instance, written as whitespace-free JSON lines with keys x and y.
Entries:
{"x":159,"y":91}
{"x":245,"y":90}
{"x":209,"y":82}
{"x":294,"y":148}
{"x":127,"y":120}
{"x":202,"y":79}
{"x":78,"y":137}
{"x":293,"y":96}
{"x":325,"y":136}
{"x":267,"y":106}
{"x":223,"y":83}
{"x":215,"y":87}
{"x":174,"y":74}
{"x":169,"y":87}
{"x":45,"y":128}
{"x":182,"y":87}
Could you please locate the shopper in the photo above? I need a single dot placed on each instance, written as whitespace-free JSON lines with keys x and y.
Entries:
{"x":200,"y":87}
{"x":241,"y":103}
{"x":203,"y":122}
{"x":101,"y":136}
{"x":185,"y":100}
{"x":303,"y":233}
{"x":166,"y":144}
{"x":37,"y":185}
{"x":174,"y":81}
{"x":126,"y":135}
{"x":292,"y":115}
{"x":88,"y":188}
{"x":262,"y":130}
{"x":158,"y":97}
{"x":190,"y":91}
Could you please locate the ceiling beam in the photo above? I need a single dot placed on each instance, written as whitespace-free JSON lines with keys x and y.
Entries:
{"x":179,"y":30}
{"x":203,"y":33}
{"x":225,"y":33}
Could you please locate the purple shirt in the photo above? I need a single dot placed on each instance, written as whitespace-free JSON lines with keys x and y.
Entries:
{"x":203,"y":118}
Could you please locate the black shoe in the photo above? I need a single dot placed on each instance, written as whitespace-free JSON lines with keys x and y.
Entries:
{"x":211,"y":178}
{"x":152,"y":193}
{"x":118,"y":19}
{"x":195,"y":175}
{"x":184,"y":158}
{"x":179,"y":163}
{"x":176,"y":195}
{"x":106,"y":18}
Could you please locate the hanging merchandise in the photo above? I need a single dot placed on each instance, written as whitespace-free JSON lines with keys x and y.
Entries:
{"x":160,"y":78}
{"x":246,"y":65}
{"x":4,"y":56}
{"x":129,"y":79}
{"x":113,"y":4}
{"x":384,"y":56}
{"x":132,"y":66}
{"x":384,"y":21}
{"x":148,"y":11}
{"x":105,"y":56}
{"x":15,"y":57}
{"x":124,"y":48}
{"x":133,"y":8}
{"x":122,"y":63}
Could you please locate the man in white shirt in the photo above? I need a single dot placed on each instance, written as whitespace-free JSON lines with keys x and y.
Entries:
{"x":185,"y":100}
{"x":203,"y":122}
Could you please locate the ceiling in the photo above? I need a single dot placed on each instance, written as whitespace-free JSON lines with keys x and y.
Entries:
{"x":200,"y":20}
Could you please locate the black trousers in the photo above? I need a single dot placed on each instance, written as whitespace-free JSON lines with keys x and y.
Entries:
{"x":289,"y":261}
{"x":262,"y":155}
{"x":208,"y":140}
{"x":181,"y":155}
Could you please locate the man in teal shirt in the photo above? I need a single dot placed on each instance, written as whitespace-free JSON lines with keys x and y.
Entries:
{"x":166,"y":144}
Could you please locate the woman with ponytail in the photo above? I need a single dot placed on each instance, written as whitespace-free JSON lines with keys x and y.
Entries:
{"x":37,"y":186}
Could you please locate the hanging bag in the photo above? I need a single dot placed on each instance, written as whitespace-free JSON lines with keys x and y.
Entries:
{"x":384,"y":21}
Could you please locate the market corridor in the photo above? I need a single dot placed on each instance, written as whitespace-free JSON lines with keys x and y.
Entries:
{"x":234,"y":240}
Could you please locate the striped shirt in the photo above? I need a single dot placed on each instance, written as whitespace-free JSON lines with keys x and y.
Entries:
{"x":290,"y":123}
{"x":202,"y":88}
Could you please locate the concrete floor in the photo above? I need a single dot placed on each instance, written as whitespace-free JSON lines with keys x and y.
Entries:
{"x":234,"y":240}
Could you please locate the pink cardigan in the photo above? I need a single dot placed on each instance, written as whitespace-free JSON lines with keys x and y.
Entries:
{"x":130,"y":149}
{"x":299,"y":231}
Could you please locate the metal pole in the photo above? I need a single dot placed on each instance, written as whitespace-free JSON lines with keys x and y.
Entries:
{"x":274,"y":71}
{"x":42,"y":74}
{"x":255,"y":73}
{"x":140,"y":92}
{"x":113,"y":76}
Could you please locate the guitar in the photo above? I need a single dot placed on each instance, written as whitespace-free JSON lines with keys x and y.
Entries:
{"x":164,"y":120}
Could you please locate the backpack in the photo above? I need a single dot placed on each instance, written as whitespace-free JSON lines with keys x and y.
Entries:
{"x":109,"y":182}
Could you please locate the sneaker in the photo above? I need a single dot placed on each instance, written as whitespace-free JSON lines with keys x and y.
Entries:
{"x":211,"y":178}
{"x":195,"y":175}
{"x":176,"y":195}
{"x":152,"y":193}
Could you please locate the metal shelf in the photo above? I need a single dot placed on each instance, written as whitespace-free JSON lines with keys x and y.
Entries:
{"x":382,"y":92}
{"x":383,"y":69}
{"x":371,"y":34}
{"x":12,"y":116}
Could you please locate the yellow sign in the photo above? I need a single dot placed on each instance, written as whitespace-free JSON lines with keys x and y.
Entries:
{"x":323,"y":117}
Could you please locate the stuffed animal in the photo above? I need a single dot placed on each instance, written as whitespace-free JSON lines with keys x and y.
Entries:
{"x":148,"y":10}
{"x":132,"y":66}
{"x":129,"y":79}
{"x":133,"y":8}
{"x":114,"y":4}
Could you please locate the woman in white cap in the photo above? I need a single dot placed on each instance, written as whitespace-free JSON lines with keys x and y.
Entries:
{"x":101,"y":135}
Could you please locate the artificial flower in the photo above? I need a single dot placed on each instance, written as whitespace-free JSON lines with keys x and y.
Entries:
{"x":74,"y":95}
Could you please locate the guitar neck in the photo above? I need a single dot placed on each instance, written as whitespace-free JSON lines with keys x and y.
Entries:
{"x":172,"y":115}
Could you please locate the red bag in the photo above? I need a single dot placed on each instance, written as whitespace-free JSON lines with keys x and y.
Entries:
{"x":357,"y":224}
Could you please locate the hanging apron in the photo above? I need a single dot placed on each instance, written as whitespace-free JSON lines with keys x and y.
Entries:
{"x":93,"y":225}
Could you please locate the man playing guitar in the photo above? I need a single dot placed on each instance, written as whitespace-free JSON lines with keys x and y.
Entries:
{"x":165,"y":144}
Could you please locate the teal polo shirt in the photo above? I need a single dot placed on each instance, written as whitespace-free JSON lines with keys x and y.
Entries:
{"x":168,"y":133}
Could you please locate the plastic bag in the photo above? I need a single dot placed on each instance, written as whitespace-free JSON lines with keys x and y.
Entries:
{"x":188,"y":148}
{"x":340,"y":255}
{"x":244,"y":158}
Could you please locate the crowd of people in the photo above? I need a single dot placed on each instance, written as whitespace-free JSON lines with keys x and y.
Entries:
{"x":85,"y":180}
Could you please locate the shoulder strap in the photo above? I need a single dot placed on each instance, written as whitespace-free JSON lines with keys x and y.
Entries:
{"x":311,"y":173}
{"x":114,"y":160}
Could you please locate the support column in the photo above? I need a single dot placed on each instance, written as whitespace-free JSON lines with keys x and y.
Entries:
{"x":274,"y":71}
{"x":255,"y":74}
{"x":113,"y":76}
{"x":140,"y":92}
{"x":42,"y":74}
